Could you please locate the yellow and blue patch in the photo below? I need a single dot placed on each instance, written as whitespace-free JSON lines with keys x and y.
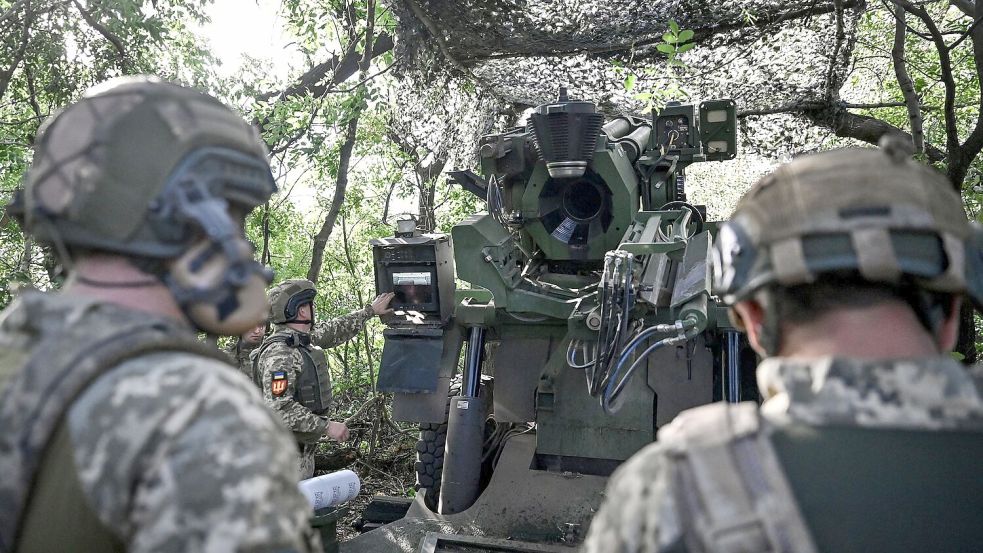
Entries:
{"x":278,"y":384}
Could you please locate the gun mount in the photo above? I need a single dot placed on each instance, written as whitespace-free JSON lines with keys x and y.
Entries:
{"x":588,"y":324}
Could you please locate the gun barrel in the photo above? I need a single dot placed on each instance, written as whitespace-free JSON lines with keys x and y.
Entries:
{"x":617,"y":127}
{"x":635,"y":143}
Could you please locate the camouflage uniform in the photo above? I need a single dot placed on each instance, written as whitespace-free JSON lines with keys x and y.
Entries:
{"x":276,"y":358}
{"x":925,"y":394}
{"x":239,"y":354}
{"x":152,"y":440}
{"x":121,"y":430}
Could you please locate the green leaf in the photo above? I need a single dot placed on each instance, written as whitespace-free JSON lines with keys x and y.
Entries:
{"x":670,"y":38}
{"x":666,"y":48}
{"x":686,"y":35}
{"x":686,"y":47}
{"x":629,"y":82}
{"x":674,"y":26}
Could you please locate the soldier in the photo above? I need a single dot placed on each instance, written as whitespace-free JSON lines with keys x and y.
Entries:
{"x":121,"y":430}
{"x":293,"y":367}
{"x":247,"y":342}
{"x":846,"y":269}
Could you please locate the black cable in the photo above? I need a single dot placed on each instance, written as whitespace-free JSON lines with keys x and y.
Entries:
{"x":611,"y":394}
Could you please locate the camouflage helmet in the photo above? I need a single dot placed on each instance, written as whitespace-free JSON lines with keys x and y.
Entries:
{"x":154,"y":170}
{"x":287,"y":297}
{"x":872,"y":212}
{"x":102,"y":166}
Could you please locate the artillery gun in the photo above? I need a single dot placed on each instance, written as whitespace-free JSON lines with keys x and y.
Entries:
{"x":587,"y":324}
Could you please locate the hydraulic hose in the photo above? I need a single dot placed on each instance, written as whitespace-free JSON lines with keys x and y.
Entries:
{"x":615,"y":383}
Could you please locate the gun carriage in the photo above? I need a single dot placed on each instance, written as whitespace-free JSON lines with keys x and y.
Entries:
{"x":585,"y":319}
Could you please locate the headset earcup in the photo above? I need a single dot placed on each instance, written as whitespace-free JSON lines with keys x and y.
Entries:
{"x":251,"y":309}
{"x":218,"y":305}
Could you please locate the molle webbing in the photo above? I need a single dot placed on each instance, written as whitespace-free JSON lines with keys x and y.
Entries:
{"x":730,"y":488}
{"x":313,"y":386}
{"x":64,"y":363}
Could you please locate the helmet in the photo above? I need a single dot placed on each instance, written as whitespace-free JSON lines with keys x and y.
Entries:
{"x":157,"y":171}
{"x":875,"y":213}
{"x":287,"y":297}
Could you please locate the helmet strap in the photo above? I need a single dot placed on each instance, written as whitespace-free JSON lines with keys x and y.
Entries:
{"x":60,"y":248}
{"x":930,"y":312}
{"x":117,"y":284}
{"x":770,"y":332}
{"x":188,"y":199}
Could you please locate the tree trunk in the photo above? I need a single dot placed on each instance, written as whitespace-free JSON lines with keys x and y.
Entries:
{"x":345,"y":156}
{"x":341,"y":186}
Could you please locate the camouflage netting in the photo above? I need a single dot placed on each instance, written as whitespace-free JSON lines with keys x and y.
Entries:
{"x":472,"y":67}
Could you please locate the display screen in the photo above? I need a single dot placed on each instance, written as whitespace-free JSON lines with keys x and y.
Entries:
{"x":413,"y":288}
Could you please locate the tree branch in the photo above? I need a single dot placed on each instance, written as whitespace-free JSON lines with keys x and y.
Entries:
{"x":106,"y":33}
{"x":11,"y":10}
{"x":441,"y":43}
{"x":8,"y":74}
{"x":340,"y":67}
{"x":974,"y":142}
{"x":831,"y":82}
{"x":967,"y":33}
{"x":953,"y":150}
{"x":844,"y":124}
{"x":344,"y":158}
{"x":905,"y":83}
{"x":968,"y":7}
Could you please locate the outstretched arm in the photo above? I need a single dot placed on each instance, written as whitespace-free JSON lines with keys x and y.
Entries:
{"x":337,"y":331}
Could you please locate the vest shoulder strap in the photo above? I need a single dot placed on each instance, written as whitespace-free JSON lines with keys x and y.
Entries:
{"x":729,"y":484}
{"x":258,"y":352}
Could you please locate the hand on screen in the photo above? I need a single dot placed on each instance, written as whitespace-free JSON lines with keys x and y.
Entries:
{"x":380,"y":305}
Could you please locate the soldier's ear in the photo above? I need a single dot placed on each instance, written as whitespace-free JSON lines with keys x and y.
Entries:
{"x":750,"y":317}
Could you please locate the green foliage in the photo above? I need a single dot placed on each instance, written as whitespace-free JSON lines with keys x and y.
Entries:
{"x":674,"y":42}
{"x":55,"y":52}
{"x":661,"y":87}
{"x":923,"y":64}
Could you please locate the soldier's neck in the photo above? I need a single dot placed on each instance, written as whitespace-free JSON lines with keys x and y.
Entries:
{"x":300,"y":327}
{"x":878,"y":332}
{"x":113,"y":279}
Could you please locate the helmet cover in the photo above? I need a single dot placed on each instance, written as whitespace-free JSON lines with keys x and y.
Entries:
{"x":875,"y":212}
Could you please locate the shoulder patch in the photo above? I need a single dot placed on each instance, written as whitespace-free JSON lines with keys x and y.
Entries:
{"x":278,"y":384}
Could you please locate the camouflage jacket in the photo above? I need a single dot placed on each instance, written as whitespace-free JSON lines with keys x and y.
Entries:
{"x":171,"y":451}
{"x":239,"y":355}
{"x":278,"y":360}
{"x":337,"y":331}
{"x":642,"y":514}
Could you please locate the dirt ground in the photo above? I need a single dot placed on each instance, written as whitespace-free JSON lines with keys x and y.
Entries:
{"x":386,"y":470}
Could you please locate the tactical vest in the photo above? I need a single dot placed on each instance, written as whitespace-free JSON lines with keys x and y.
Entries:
{"x":60,"y":367}
{"x":313,"y":386}
{"x":743,"y":484}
